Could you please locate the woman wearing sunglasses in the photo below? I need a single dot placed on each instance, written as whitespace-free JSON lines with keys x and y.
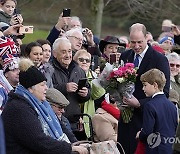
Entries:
{"x":174,"y":64}
{"x":83,"y":58}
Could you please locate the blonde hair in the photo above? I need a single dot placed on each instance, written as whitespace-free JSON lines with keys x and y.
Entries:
{"x":154,"y":76}
{"x":25,"y":64}
{"x":81,"y":52}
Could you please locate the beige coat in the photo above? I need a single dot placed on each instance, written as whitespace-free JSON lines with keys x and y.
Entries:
{"x":105,"y":126}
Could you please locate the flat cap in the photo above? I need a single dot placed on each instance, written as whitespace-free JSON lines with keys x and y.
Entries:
{"x":54,"y":96}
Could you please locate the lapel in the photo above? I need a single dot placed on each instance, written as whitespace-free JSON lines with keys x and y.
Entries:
{"x":130,"y":58}
{"x":145,"y":61}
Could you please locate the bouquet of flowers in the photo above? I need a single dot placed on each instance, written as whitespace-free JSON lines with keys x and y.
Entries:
{"x":119,"y":82}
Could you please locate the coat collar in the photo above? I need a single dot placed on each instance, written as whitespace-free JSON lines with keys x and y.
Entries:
{"x":59,"y":66}
{"x":145,"y":61}
{"x":100,"y":111}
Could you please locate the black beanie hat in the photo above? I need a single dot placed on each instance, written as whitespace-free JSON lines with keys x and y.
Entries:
{"x":30,"y":76}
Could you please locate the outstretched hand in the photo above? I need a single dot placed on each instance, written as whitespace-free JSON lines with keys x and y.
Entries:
{"x":131,"y":101}
{"x":89,"y":36}
{"x":62,"y":22}
{"x":12,"y":30}
{"x":175,"y":30}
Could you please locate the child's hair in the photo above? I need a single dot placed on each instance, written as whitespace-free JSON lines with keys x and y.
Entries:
{"x":154,"y":75}
{"x":2,"y":2}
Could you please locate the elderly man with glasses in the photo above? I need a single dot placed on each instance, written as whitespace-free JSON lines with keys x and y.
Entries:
{"x":75,"y":36}
{"x":66,"y":76}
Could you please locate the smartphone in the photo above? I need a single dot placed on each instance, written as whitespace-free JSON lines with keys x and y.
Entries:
{"x":17,"y":11}
{"x":166,"y":28}
{"x":112,"y":58}
{"x":26,"y":29}
{"x":82,"y":83}
{"x":121,"y":49}
{"x":66,"y":12}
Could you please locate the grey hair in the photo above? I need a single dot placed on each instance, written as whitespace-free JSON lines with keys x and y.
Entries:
{"x":73,"y":30}
{"x":75,"y":18}
{"x":33,"y":87}
{"x":59,"y":41}
{"x":172,"y":56}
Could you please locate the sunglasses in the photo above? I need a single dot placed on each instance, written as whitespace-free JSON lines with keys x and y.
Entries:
{"x":172,"y":65}
{"x":86,"y":60}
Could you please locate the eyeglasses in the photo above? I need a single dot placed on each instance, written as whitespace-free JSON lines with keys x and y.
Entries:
{"x":58,"y":106}
{"x":77,"y":38}
{"x":86,"y":60}
{"x":172,"y":65}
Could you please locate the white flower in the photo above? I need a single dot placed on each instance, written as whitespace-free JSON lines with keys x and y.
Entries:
{"x":120,"y":80}
{"x":115,"y":69}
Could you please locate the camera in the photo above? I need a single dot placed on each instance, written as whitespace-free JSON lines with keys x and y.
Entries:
{"x":121,"y":49}
{"x":84,"y":30}
{"x":26,"y":29}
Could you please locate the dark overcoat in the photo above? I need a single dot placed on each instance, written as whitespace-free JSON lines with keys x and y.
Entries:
{"x":151,"y":59}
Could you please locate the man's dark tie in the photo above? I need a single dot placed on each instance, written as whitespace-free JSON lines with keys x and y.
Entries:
{"x":136,"y":61}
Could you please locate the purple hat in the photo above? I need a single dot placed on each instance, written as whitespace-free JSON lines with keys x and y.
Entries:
{"x":110,"y":40}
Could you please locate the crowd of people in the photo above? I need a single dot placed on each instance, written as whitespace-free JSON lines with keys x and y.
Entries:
{"x":47,"y":88}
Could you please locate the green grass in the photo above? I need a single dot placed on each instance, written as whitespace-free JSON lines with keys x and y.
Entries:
{"x":38,"y":34}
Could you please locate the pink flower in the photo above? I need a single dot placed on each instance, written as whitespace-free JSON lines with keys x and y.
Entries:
{"x":111,"y":75}
{"x":130,"y":65}
{"x":127,"y":72}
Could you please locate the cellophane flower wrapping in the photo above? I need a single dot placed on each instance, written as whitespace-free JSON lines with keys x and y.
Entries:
{"x":118,"y":82}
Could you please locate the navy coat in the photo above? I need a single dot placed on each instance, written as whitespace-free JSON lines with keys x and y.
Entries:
{"x":159,"y":116}
{"x":151,"y":59}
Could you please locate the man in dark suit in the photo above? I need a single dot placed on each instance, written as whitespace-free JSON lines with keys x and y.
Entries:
{"x":145,"y":58}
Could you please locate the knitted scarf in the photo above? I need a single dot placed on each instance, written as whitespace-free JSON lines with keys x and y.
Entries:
{"x":46,"y":115}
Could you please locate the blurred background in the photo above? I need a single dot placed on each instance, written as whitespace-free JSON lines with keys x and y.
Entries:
{"x":103,"y":17}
